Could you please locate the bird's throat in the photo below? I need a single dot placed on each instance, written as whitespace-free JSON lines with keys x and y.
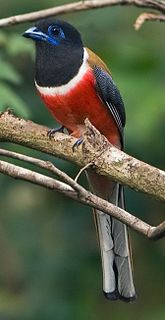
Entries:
{"x":56,"y":66}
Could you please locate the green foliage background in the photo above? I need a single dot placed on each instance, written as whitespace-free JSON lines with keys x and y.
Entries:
{"x":50,"y":264}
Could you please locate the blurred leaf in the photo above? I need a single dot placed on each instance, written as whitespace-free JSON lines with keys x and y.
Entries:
{"x":14,"y":44}
{"x":3,"y":40}
{"x":7,"y":72}
{"x":18,"y":45}
{"x":8,"y":98}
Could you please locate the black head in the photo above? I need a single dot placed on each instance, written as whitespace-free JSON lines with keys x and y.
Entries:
{"x":54,"y":33}
{"x":59,"y":51}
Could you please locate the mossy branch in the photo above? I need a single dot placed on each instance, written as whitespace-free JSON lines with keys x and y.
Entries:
{"x":96,"y":150}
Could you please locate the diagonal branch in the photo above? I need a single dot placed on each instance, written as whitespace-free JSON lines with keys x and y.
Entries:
{"x":80,"y":6}
{"x":42,"y":164}
{"x":106,"y":159}
{"x":76,"y":192}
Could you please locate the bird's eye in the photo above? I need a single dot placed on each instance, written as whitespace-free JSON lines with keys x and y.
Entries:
{"x":55,"y":31}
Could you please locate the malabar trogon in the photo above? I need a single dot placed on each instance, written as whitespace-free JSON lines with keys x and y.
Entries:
{"x":75,"y":84}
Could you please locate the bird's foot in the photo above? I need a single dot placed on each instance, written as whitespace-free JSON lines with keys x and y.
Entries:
{"x":52,"y":132}
{"x":77,"y":143}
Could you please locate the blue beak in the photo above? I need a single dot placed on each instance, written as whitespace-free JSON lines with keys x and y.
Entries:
{"x":35,"y":34}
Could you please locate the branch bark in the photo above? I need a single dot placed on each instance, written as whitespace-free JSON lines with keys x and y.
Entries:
{"x":76,"y":192}
{"x":158,"y":5}
{"x":148,"y":16}
{"x":106,"y":159}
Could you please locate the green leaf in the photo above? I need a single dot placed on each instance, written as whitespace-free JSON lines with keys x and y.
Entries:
{"x":7,"y":72}
{"x":8,"y":98}
{"x":18,"y":45}
{"x":3,"y":40}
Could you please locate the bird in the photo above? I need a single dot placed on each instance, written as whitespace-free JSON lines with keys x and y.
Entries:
{"x":74,"y":83}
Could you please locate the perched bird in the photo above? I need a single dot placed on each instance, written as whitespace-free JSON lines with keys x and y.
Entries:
{"x":75,"y":84}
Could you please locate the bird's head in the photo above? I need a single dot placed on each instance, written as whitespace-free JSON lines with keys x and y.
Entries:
{"x":54,"y":33}
{"x":59,"y":51}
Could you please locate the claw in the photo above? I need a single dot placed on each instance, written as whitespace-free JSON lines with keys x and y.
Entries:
{"x":77,"y":143}
{"x":52,"y":132}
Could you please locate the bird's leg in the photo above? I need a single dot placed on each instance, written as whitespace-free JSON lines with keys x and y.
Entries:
{"x":52,"y":132}
{"x":77,"y":143}
{"x":78,"y":133}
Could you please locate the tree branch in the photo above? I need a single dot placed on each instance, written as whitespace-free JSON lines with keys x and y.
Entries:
{"x":147,"y":16}
{"x":76,"y":192}
{"x":106,"y":159}
{"x":80,"y":6}
{"x":42,"y":164}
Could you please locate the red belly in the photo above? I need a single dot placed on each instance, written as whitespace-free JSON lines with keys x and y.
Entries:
{"x":79,"y":103}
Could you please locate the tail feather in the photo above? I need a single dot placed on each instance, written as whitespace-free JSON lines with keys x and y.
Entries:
{"x":114,"y":242}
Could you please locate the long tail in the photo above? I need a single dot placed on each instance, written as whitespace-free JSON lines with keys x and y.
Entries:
{"x":114,"y":242}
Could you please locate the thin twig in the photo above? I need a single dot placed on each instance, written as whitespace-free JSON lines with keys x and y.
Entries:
{"x":82,"y":196}
{"x":158,"y":232}
{"x":80,"y":6}
{"x":146,"y":16}
{"x":82,"y":170}
{"x":43,"y":164}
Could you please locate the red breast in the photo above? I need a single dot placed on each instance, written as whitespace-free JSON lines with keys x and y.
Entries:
{"x":71,"y":105}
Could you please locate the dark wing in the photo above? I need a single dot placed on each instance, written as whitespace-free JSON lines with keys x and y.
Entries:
{"x":110,"y":96}
{"x":107,"y":90}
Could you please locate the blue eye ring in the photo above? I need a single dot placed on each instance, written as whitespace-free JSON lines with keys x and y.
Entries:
{"x":56,"y":32}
